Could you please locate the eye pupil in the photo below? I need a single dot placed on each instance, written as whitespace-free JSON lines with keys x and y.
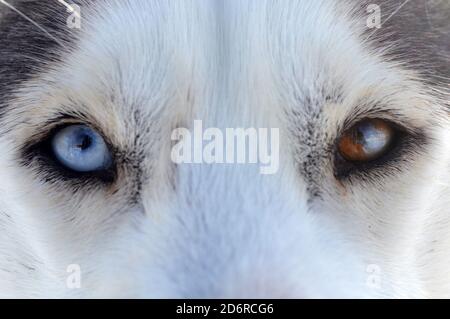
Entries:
{"x":359,"y":136}
{"x":85,"y":143}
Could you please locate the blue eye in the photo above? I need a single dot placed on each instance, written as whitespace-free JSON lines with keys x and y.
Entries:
{"x":81,"y":149}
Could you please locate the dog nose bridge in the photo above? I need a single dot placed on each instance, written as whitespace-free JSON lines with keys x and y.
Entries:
{"x":232,"y":232}
{"x":228,"y":185}
{"x":229,"y":222}
{"x":246,"y":256}
{"x":232,"y":193}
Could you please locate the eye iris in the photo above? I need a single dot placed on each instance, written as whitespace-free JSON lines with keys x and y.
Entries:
{"x":366,"y":141}
{"x":80,"y":148}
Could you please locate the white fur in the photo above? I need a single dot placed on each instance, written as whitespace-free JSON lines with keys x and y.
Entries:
{"x":215,"y":230}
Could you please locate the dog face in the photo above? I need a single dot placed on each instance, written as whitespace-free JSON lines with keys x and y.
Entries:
{"x":338,"y":218}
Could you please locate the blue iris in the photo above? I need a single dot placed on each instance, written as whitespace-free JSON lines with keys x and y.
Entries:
{"x":374,"y":139}
{"x":81,"y":149}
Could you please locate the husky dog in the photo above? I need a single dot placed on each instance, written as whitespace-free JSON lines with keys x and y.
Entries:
{"x":92,"y":206}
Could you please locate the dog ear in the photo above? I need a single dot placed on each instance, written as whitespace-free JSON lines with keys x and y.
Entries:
{"x":418,"y":35}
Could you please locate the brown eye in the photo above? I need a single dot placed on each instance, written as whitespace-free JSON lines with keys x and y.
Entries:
{"x":366,"y":141}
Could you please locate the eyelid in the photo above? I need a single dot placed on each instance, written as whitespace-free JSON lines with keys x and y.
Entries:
{"x":398,"y":121}
{"x":49,"y":127}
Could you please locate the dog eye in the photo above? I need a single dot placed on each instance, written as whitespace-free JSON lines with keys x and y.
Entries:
{"x":81,"y":149}
{"x":366,"y":141}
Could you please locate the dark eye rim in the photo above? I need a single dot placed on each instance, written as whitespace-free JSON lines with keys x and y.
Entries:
{"x":406,"y":143}
{"x":39,"y":155}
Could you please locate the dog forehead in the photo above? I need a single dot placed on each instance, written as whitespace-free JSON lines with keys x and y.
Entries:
{"x":136,"y":57}
{"x":143,"y":45}
{"x":243,"y":47}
